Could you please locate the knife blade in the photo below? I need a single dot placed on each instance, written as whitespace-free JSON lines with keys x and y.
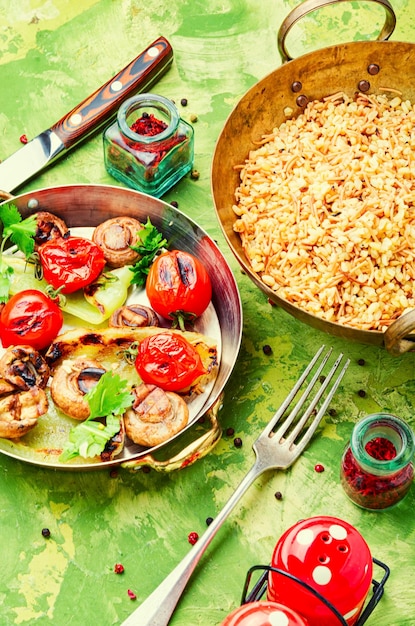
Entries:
{"x":87,"y":117}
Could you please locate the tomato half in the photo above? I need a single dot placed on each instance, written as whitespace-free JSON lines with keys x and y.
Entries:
{"x":30,"y":318}
{"x":169,"y":361}
{"x":71,"y":263}
{"x":178,"y":284}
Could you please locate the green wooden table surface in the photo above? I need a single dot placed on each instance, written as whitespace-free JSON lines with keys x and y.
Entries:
{"x":52,"y":54}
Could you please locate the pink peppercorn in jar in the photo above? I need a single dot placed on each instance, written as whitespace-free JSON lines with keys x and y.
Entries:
{"x":376,"y":468}
{"x":149,"y":147}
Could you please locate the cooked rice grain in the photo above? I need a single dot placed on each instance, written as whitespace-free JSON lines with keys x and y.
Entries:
{"x":326,"y":210}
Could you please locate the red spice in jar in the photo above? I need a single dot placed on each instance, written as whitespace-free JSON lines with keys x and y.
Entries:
{"x":381,"y":448}
{"x":149,"y":126}
{"x":369,"y":490}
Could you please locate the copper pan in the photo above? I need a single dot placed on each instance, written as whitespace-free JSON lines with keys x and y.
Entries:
{"x":364,"y":66}
{"x":87,"y":206}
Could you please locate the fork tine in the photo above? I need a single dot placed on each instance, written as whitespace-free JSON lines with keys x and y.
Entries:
{"x":317,"y":419}
{"x":286,"y":403}
{"x":290,"y":418}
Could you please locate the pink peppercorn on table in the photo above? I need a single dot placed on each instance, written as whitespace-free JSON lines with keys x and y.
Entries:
{"x":88,"y":547}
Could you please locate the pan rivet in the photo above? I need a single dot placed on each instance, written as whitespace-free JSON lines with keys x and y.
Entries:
{"x":373,"y":69}
{"x":33,"y":203}
{"x":302,"y":101}
{"x":296,"y":86}
{"x":364,"y":85}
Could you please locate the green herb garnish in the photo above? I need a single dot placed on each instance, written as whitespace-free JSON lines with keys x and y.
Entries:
{"x":109,"y":399}
{"x":152,"y":242}
{"x":21,"y":232}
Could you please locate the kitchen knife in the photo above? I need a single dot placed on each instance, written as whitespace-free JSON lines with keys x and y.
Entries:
{"x":87,"y":117}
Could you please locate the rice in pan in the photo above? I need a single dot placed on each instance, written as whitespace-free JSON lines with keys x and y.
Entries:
{"x":326,"y":209}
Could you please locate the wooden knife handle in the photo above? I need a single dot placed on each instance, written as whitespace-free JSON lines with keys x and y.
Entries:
{"x":103,"y":104}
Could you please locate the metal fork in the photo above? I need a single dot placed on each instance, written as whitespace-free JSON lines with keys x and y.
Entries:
{"x":273,"y":450}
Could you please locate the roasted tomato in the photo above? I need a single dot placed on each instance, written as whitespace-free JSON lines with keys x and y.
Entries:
{"x":178,"y":286}
{"x":169,"y":361}
{"x":30,"y":318}
{"x":71,"y":264}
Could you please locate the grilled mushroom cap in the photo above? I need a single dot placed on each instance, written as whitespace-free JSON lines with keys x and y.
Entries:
{"x":19,"y":412}
{"x":49,"y":227}
{"x":6,"y":387}
{"x":133,"y":316}
{"x":24,"y":367}
{"x":71,"y":381}
{"x":155,"y":416}
{"x":114,"y":237}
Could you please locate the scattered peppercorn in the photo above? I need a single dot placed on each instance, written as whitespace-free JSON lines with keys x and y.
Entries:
{"x":319,"y":468}
{"x":131,"y":595}
{"x":322,"y":378}
{"x":361,"y":362}
{"x":174,"y":203}
{"x":23,"y":139}
{"x":46,"y":532}
{"x":113,"y":473}
{"x":332,"y":412}
{"x":361,"y":393}
{"x":118,"y":568}
{"x":183,"y":102}
{"x":278,"y":495}
{"x":237,"y":442}
{"x":267,"y":349}
{"x":192,"y":538}
{"x":146,"y":469}
{"x":230,"y":432}
{"x":193,"y":118}
{"x":194,"y":174}
{"x":209,"y":520}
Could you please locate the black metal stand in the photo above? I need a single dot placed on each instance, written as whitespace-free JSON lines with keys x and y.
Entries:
{"x":260,"y":587}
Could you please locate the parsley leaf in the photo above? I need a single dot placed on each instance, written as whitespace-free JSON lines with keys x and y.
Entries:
{"x":108,"y":399}
{"x":21,"y":232}
{"x":5,"y":279}
{"x":22,"y":235}
{"x":89,"y":438}
{"x":9,"y":215}
{"x":110,"y":395}
{"x":151,"y":242}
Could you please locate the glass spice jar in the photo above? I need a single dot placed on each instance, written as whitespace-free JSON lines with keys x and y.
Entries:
{"x":376,"y":467}
{"x":149,"y":147}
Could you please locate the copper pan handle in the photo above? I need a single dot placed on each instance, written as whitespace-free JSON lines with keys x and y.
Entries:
{"x":308,"y":6}
{"x":191,"y":453}
{"x":398,"y":338}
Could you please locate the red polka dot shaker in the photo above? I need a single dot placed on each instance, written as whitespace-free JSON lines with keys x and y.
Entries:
{"x":264,"y":613}
{"x":332,"y":558}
